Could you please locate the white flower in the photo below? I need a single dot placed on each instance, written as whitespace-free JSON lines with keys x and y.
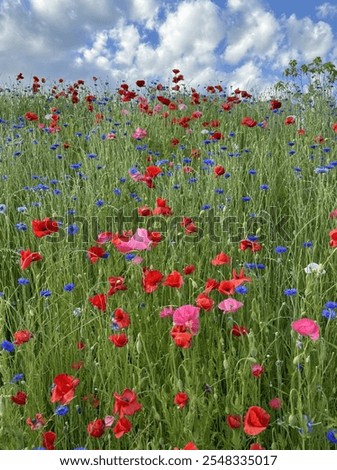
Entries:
{"x":314,"y":268}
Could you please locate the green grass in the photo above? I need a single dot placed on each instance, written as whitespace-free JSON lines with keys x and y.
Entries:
{"x":215,"y":371}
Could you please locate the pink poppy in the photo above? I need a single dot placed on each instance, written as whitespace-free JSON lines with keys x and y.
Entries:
{"x":139,"y":241}
{"x":230,"y":305}
{"x":306,"y":327}
{"x":188,"y":316}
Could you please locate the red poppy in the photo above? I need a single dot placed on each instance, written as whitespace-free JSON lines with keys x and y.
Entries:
{"x":36,"y":423}
{"x":256,"y":446}
{"x":121,"y":318}
{"x":234,"y":421}
{"x":334,"y":126}
{"x":153,"y":171}
{"x":220,"y":259}
{"x":210,"y":285}
{"x":204,"y":302}
{"x":217,"y":136}
{"x":20,"y":76}
{"x":226,"y":106}
{"x":188,"y":223}
{"x":239,"y":331}
{"x":257,"y":370}
{"x":275,"y":104}
{"x":248,"y":122}
{"x":48,"y":439}
{"x":300,"y":131}
{"x":174,"y":279}
{"x":333,"y":238}
{"x":151,"y":280}
{"x":22,"y":336}
{"x":289,"y":120}
{"x":181,"y":336}
{"x":162,"y":208}
{"x":119,"y":340}
{"x":275,"y":403}
{"x":241,"y":276}
{"x":64,"y":389}
{"x":123,"y":426}
{"x":116,"y":284}
{"x":31,"y":116}
{"x":175,"y":142}
{"x":253,"y":246}
{"x":163,"y":100}
{"x":256,"y":420}
{"x":20,"y":398}
{"x":126,"y":404}
{"x":44,"y":227}
{"x":99,"y":301}
{"x":190,"y":446}
{"x":144,"y":211}
{"x":228,"y":287}
{"x":155,"y":237}
{"x":27,"y":257}
{"x":96,"y":428}
{"x":95,"y":253}
{"x":219,"y":170}
{"x":181,"y":399}
{"x":77,"y":365}
{"x":140,"y":83}
{"x":189,"y":269}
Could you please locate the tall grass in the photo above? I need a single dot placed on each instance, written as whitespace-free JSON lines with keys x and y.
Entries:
{"x":215,"y":372}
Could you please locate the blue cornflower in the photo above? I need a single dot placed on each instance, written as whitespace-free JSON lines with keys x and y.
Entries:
{"x":227,"y":175}
{"x":75,"y":166}
{"x":69,"y":287}
{"x":307,"y":244}
{"x":72,"y":229}
{"x":23,"y":281}
{"x":57,"y":192}
{"x":17,"y":378}
{"x":192,"y":180}
{"x":252,"y":172}
{"x":332,"y":436}
{"x":264,"y":187}
{"x":186,"y":160}
{"x":117,"y":192}
{"x":246,"y":198}
{"x":328,"y":313}
{"x":219,"y":191}
{"x":331,"y":305}
{"x":99,"y":203}
{"x":91,"y":155}
{"x":7,"y":346}
{"x":208,"y":161}
{"x":3,"y":208}
{"x":21,"y":226}
{"x":281,"y":249}
{"x":129,"y":256}
{"x":252,"y":238}
{"x":45,"y":293}
{"x":22,"y":209}
{"x":205,"y":207}
{"x":290,"y":292}
{"x":241,"y":290}
{"x":61,"y":410}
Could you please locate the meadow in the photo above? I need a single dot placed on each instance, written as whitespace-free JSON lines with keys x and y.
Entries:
{"x":168,"y":267}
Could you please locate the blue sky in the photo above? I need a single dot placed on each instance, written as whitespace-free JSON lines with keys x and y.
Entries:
{"x":244,"y":43}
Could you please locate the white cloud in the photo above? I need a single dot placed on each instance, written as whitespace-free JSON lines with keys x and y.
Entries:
{"x":326,"y":10}
{"x":308,"y":38}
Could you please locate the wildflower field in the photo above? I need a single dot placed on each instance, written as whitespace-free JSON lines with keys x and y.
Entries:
{"x":168,"y":267}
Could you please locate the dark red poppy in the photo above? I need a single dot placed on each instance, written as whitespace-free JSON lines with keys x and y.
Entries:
{"x":22,"y":336}
{"x":151,"y":280}
{"x":189,"y":269}
{"x":96,"y":428}
{"x":119,"y":340}
{"x":20,"y":76}
{"x":289,"y":120}
{"x":256,"y":420}
{"x":174,"y":279}
{"x":95,"y":253}
{"x":234,"y":421}
{"x":20,"y":398}
{"x":239,"y":331}
{"x":163,"y":100}
{"x":144,"y":211}
{"x":181,"y":399}
{"x":140,"y":83}
{"x":123,"y":426}
{"x":275,"y":104}
{"x":99,"y":301}
{"x":44,"y":227}
{"x":48,"y":439}
{"x":64,"y":389}
{"x":126,"y":404}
